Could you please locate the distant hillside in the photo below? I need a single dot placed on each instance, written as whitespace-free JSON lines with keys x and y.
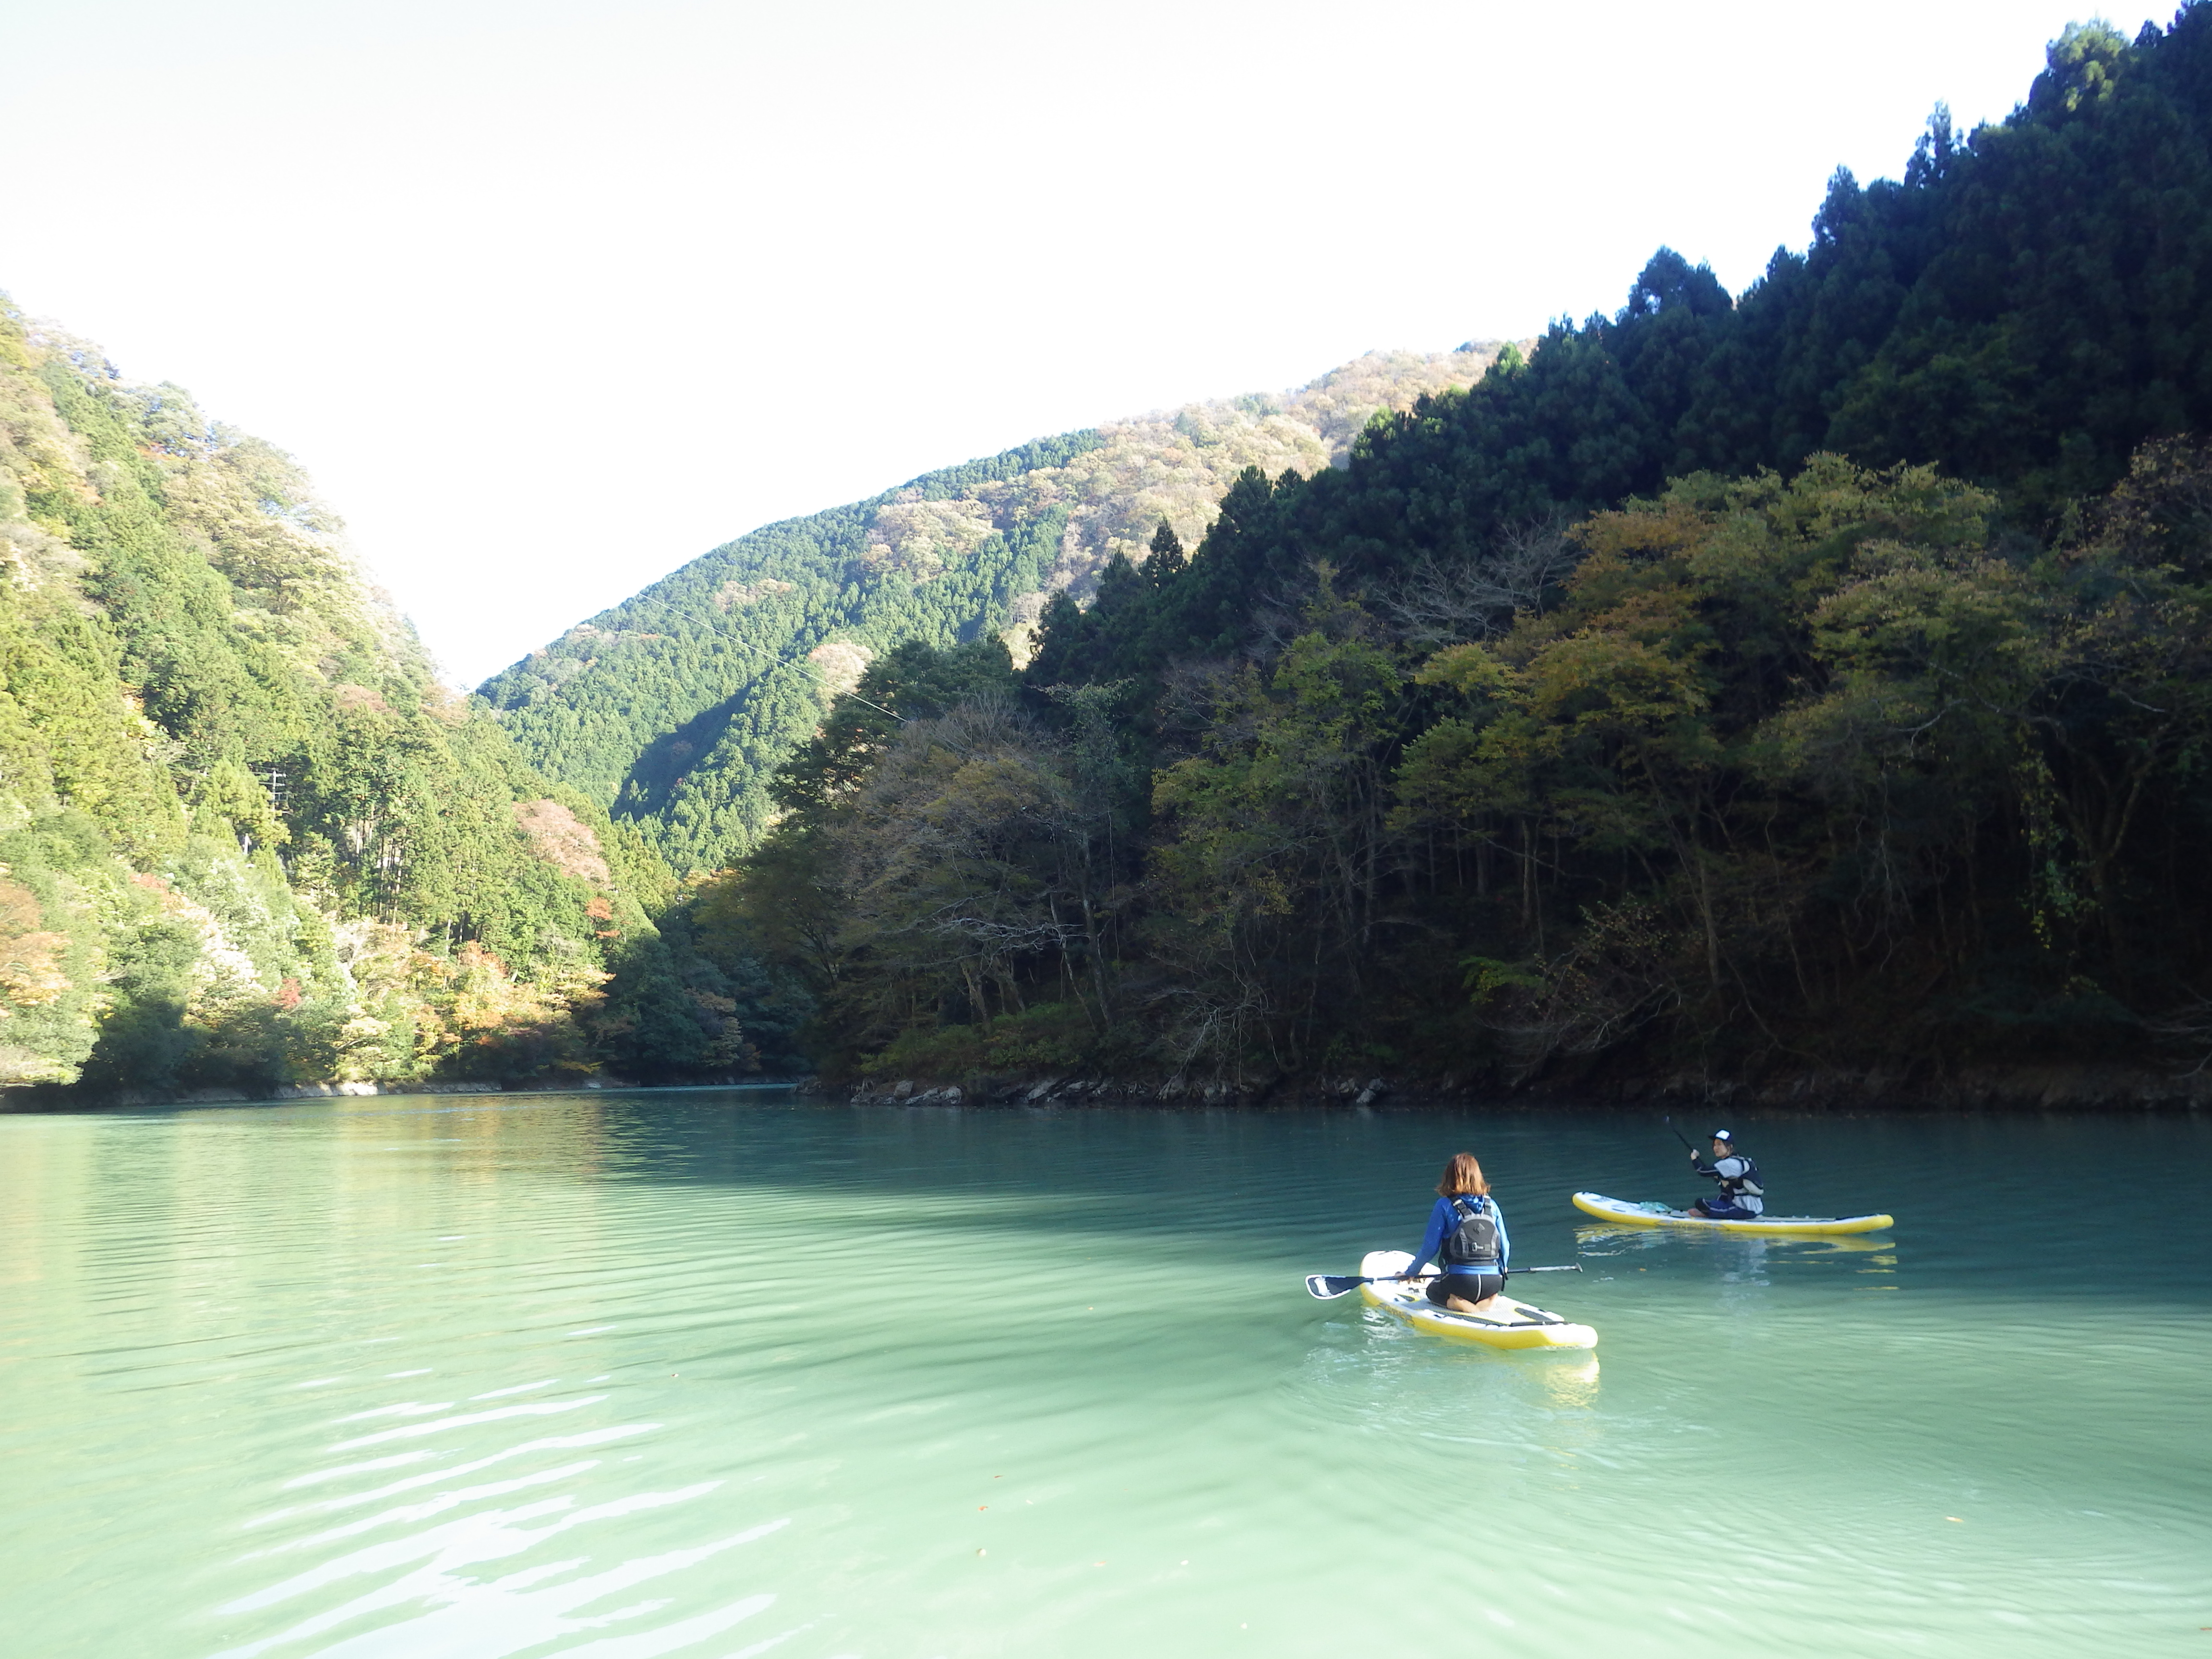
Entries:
{"x":676,"y":707}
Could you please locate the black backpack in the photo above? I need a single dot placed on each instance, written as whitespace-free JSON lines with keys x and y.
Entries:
{"x":1474,"y":1243}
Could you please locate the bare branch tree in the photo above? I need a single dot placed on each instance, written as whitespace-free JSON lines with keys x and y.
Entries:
{"x":1439,"y":603}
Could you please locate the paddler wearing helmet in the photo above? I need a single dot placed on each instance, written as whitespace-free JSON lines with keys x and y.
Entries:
{"x":1741,"y":1197}
{"x":1466,"y":1238}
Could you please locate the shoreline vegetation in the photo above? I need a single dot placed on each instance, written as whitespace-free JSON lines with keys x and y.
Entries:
{"x":1804,"y":696}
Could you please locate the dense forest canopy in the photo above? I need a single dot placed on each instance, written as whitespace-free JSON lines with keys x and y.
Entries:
{"x":674,"y":709}
{"x":2030,"y":304}
{"x":1810,"y":678}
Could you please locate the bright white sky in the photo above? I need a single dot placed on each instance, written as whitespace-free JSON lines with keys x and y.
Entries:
{"x":553,"y":295}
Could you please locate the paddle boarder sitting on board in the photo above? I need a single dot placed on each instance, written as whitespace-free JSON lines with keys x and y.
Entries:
{"x":1741,"y":1197}
{"x":1466,"y":1238}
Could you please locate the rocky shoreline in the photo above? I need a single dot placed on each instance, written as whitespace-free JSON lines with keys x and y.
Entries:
{"x":2051,"y":1088}
{"x":1994,"y":1090}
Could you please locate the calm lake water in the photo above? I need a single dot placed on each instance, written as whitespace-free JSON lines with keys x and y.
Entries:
{"x":726,"y":1373}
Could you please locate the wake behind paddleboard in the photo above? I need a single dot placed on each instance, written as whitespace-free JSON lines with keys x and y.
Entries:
{"x":1660,"y":1215}
{"x":1511,"y":1324}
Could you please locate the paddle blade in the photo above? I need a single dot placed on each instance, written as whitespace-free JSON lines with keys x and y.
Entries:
{"x":1327,"y":1288}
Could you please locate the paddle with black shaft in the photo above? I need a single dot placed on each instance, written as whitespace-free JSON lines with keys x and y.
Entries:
{"x":1327,"y":1287}
{"x":1693,"y":1150}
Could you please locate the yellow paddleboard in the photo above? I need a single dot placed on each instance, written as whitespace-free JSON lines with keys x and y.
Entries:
{"x":1511,"y":1324}
{"x":1658,"y":1215}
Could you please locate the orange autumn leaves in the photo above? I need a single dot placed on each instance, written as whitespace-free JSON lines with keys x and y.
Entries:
{"x":31,"y":973}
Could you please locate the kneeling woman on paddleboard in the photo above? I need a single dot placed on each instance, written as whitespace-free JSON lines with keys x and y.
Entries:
{"x":1466,"y":1238}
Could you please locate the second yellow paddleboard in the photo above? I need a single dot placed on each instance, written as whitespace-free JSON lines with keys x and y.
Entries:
{"x":1655,"y":1215}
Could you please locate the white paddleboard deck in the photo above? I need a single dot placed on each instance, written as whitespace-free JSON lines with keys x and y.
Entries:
{"x":1508,"y":1322}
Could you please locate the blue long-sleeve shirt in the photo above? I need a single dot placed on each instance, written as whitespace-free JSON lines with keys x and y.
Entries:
{"x":1443,"y":1222}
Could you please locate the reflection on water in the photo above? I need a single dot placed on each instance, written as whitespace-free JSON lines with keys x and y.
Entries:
{"x":1605,"y":1240}
{"x":722,"y":1373}
{"x":1570,"y":1387}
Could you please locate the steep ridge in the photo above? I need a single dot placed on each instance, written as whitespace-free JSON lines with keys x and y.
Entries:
{"x":675,"y":708}
{"x":245,"y":838}
{"x":2024,"y":308}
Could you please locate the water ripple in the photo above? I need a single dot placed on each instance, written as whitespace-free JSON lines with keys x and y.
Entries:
{"x":721,"y":1375}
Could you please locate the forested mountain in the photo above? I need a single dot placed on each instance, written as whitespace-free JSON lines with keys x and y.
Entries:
{"x":1811,"y":679}
{"x":675,"y":708}
{"x":1731,"y":686}
{"x":245,"y":839}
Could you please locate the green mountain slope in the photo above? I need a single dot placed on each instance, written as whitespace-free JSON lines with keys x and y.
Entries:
{"x":675,"y":708}
{"x":245,"y":838}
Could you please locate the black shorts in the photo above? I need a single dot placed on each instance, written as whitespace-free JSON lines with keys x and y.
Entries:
{"x":1467,"y":1287}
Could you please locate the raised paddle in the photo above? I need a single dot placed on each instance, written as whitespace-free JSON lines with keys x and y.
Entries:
{"x":1670,"y":1122}
{"x":1327,"y":1287}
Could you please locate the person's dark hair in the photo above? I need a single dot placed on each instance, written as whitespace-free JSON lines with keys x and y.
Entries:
{"x":1461,"y":1175}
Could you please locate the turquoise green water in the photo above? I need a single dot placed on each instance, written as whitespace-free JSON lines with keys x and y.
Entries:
{"x":723,"y":1374}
